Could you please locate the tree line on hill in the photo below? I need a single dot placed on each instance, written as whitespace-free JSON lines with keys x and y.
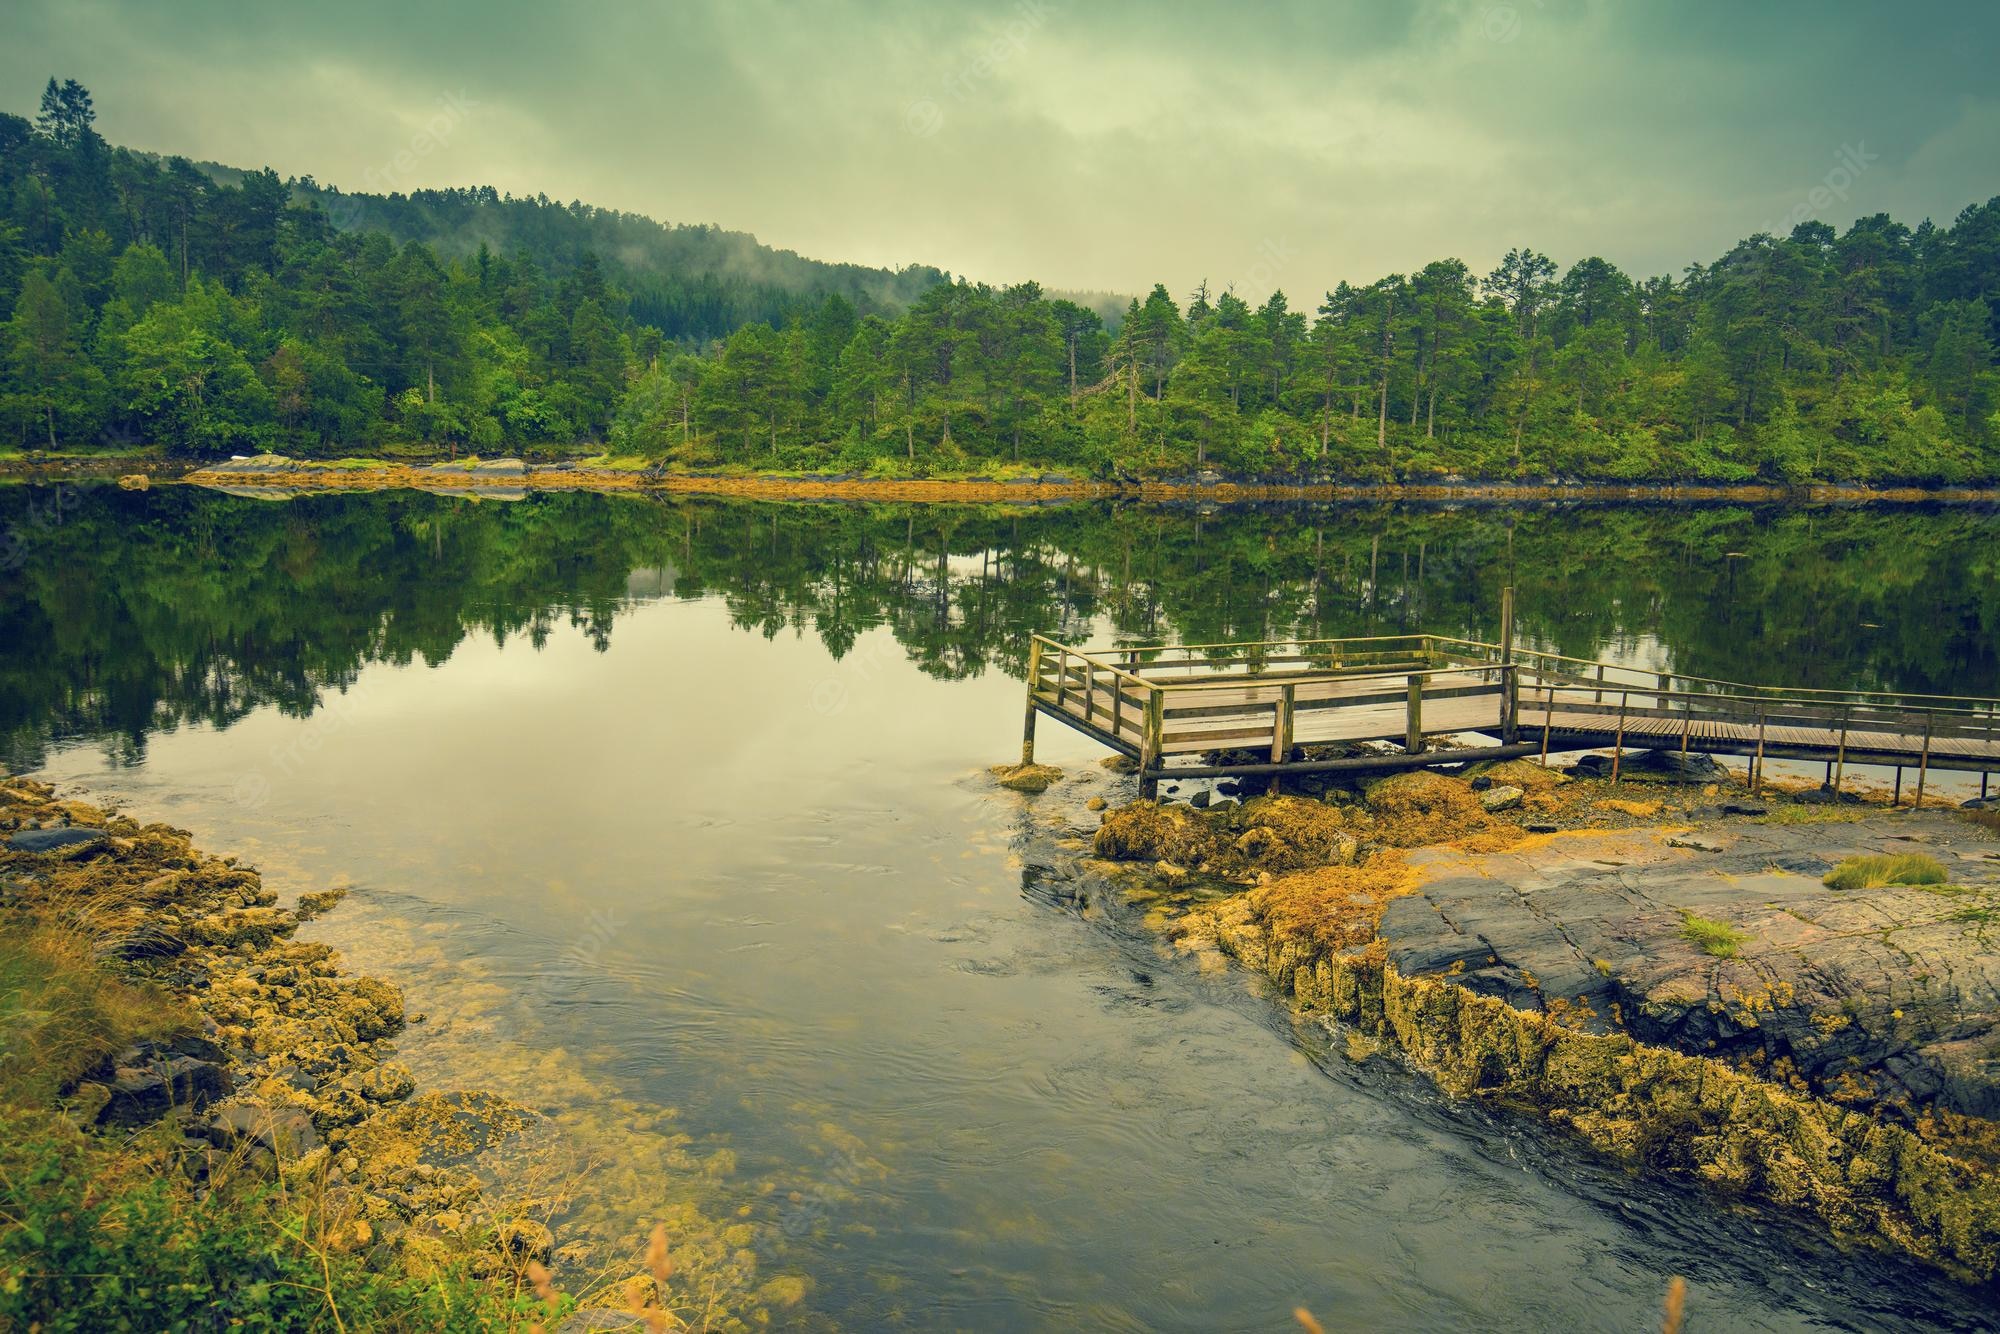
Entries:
{"x":145,"y":300}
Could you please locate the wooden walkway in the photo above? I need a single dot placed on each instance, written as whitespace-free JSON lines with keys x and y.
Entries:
{"x":1255,"y":708}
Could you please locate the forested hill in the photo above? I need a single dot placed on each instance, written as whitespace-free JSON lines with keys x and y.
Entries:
{"x":690,"y":281}
{"x":147,"y":301}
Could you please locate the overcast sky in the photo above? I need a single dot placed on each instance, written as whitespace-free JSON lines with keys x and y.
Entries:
{"x":1095,"y":145}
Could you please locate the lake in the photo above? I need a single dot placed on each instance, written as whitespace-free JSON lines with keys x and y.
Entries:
{"x":671,"y":817}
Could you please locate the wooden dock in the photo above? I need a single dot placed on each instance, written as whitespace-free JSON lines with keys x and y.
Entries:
{"x":1256,"y":708}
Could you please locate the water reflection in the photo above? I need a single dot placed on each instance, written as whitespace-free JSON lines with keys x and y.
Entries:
{"x":129,"y":612}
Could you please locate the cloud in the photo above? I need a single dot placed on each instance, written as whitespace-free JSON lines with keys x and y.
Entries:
{"x":1087,"y":146}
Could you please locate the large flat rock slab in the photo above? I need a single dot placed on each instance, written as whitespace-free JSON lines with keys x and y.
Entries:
{"x":1888,"y":998}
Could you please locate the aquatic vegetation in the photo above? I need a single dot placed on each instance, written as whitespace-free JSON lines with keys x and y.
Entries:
{"x":1527,"y":775}
{"x":1754,"y":1127}
{"x":1412,"y":809}
{"x":265,"y":1126}
{"x":1875,"y":872}
{"x":1333,"y":907}
{"x":1712,"y":937}
{"x":1026,"y":777}
{"x":1271,"y":834}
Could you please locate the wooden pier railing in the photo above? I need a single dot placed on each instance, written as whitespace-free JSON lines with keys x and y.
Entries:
{"x":1252,"y":708}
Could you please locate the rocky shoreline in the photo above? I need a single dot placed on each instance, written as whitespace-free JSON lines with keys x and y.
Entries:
{"x":271,"y":1062}
{"x":272,"y":473}
{"x":1658,"y":968}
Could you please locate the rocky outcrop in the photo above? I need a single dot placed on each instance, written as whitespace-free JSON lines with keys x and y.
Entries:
{"x":1885,"y":999}
{"x":1695,"y":999}
{"x":1672,"y":1111}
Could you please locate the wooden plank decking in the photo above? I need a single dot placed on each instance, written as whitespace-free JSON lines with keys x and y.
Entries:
{"x":1251,"y":708}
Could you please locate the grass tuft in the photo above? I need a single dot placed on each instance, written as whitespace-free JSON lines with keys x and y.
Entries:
{"x":1793,"y":814}
{"x":1712,"y":937}
{"x":1878,"y":872}
{"x":60,"y":1014}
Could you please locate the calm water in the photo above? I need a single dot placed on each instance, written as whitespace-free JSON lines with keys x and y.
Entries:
{"x":671,"y":819}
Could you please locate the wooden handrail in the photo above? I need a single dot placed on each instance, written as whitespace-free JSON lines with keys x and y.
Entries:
{"x":1538,"y":670}
{"x":1981,"y":701}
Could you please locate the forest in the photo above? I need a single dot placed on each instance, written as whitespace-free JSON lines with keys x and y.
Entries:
{"x":145,"y":302}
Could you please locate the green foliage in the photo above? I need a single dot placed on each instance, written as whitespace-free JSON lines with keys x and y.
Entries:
{"x":94,"y":1239}
{"x":1712,"y":937}
{"x":151,"y":302}
{"x":1912,"y":868}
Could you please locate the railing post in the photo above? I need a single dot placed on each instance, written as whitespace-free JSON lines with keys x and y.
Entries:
{"x":1840,"y":753}
{"x":1062,"y":678}
{"x":1548,"y":718}
{"x":1618,"y":745}
{"x":1413,"y":720}
{"x":1757,"y":765}
{"x":1510,"y":703}
{"x":1986,"y":775}
{"x":1598,"y":698}
{"x":1152,"y":737}
{"x":1924,"y":764}
{"x":1281,"y":731}
{"x":1507,"y":624}
{"x":1034,"y":683}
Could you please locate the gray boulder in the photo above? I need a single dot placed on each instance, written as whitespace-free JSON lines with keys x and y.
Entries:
{"x":287,"y":1132}
{"x":142,"y":1094}
{"x":55,"y":840}
{"x":1655,"y":766}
